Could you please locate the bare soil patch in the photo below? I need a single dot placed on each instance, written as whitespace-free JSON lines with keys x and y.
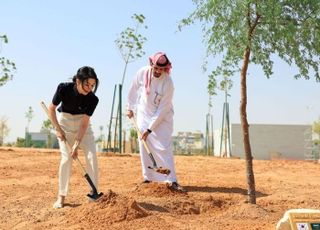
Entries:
{"x":215,"y":197}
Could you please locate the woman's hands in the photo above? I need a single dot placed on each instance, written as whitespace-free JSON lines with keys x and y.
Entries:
{"x":74,"y":150}
{"x":53,"y":118}
{"x":82,"y":130}
{"x":61,"y":134}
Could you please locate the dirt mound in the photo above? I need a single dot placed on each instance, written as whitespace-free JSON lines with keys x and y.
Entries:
{"x":157,"y":190}
{"x":110,"y":208}
{"x":210,"y":203}
{"x":183,"y":207}
{"x":247,"y":211}
{"x":192,"y":206}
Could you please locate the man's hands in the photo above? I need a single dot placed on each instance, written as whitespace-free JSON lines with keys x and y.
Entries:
{"x":145,"y":134}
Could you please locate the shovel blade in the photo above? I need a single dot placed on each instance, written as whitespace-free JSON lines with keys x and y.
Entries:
{"x":161,"y":170}
{"x":95,"y":196}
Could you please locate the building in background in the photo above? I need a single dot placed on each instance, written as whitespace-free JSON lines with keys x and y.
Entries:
{"x":188,"y":143}
{"x":43,"y":140}
{"x":269,"y":141}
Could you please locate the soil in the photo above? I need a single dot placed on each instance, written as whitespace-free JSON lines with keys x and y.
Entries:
{"x":215,"y":198}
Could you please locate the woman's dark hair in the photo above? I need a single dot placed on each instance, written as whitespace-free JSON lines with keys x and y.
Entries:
{"x":84,"y":73}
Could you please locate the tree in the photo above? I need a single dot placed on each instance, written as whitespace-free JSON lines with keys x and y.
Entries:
{"x":225,"y":85}
{"x":20,"y":142}
{"x":316,"y":130}
{"x":47,"y":127}
{"x":29,"y":115}
{"x":4,"y":129}
{"x":133,"y":140}
{"x":7,"y":67}
{"x":254,"y":32}
{"x":130,"y":44}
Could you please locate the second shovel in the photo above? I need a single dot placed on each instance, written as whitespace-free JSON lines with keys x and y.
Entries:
{"x":154,"y":167}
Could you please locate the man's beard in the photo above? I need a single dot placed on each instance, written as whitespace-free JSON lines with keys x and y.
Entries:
{"x":157,"y":75}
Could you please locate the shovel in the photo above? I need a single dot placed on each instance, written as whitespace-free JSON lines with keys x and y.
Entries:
{"x":94,"y":195}
{"x":154,"y":167}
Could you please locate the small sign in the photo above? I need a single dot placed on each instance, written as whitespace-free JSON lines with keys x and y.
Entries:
{"x":304,"y":221}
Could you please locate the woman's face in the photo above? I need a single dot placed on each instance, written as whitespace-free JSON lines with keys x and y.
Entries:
{"x":86,"y":86}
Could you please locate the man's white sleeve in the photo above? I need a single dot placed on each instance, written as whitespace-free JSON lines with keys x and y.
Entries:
{"x":133,"y":94}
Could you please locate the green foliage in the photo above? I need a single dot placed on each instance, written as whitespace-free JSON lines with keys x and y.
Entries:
{"x":253,"y":32}
{"x":134,"y":141}
{"x":133,"y":133}
{"x":47,"y":125}
{"x":7,"y":67}
{"x":130,"y":43}
{"x":289,"y":29}
{"x":20,"y":142}
{"x":316,"y":128}
{"x":39,"y":144}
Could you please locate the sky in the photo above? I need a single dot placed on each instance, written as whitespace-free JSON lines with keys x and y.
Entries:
{"x":50,"y":40}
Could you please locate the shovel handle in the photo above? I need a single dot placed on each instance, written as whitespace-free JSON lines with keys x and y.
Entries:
{"x":76,"y":159}
{"x":144,"y":143}
{"x":140,"y":135}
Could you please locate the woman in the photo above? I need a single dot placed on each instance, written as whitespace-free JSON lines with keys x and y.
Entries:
{"x":77,"y":102}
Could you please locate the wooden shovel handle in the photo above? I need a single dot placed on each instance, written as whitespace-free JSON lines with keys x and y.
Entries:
{"x":140,"y":135}
{"x":45,"y":108}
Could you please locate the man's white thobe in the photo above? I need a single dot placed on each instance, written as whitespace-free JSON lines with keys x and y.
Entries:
{"x":154,"y":111}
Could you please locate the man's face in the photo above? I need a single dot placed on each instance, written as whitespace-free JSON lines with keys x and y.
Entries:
{"x":157,"y":71}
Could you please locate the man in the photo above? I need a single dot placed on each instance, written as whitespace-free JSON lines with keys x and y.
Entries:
{"x":151,"y":96}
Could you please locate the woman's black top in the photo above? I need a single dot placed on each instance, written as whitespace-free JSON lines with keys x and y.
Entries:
{"x":72,"y":101}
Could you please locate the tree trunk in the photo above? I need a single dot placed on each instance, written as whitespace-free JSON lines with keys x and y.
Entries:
{"x":132,"y":150}
{"x":245,"y":128}
{"x":49,"y":143}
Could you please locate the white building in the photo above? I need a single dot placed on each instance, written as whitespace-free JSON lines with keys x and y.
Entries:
{"x":188,"y":142}
{"x":267,"y":141}
{"x":40,"y":139}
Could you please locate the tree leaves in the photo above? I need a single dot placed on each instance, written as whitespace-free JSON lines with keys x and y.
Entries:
{"x":250,"y":31}
{"x":130,"y":42}
{"x":7,"y":67}
{"x":288,"y":29}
